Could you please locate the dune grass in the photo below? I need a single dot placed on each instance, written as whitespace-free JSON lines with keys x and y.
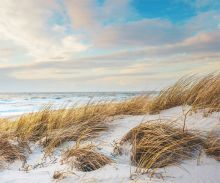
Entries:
{"x":10,"y":152}
{"x":54,"y":127}
{"x":212,"y":145}
{"x":157,"y":144}
{"x":198,"y":92}
{"x":58,"y":175}
{"x":85,"y":158}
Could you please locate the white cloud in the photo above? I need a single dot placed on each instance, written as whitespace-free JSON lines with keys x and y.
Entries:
{"x":139,"y":33}
{"x":84,"y":14}
{"x":48,"y":41}
{"x":24,"y":26}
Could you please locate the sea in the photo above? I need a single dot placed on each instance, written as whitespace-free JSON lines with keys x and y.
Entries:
{"x":15,"y":104}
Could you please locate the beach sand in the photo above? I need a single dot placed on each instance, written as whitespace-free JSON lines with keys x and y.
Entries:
{"x":41,"y":170}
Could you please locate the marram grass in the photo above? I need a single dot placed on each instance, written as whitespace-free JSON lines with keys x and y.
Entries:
{"x":85,"y":158}
{"x":212,"y":145}
{"x":52,"y":128}
{"x":198,"y":92}
{"x":156,"y":144}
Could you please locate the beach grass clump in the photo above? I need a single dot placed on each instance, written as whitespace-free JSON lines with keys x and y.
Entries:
{"x":212,"y":145}
{"x":59,"y":175}
{"x":10,"y":151}
{"x":134,"y":106}
{"x":54,"y":127}
{"x":156,"y":144}
{"x":198,"y":92}
{"x":85,"y":158}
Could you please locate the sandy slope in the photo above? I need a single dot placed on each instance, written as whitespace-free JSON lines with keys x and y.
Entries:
{"x":205,"y":170}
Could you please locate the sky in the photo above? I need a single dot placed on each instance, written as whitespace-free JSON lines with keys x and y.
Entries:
{"x":106,"y":45}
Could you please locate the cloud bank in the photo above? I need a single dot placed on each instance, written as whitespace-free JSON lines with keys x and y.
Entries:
{"x":91,"y":45}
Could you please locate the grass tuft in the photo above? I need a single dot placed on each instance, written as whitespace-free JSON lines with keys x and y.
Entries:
{"x":54,"y":127}
{"x":85,"y":158}
{"x":212,"y":145}
{"x":10,"y":152}
{"x":159,"y":144}
{"x":58,"y":175}
{"x":198,"y":92}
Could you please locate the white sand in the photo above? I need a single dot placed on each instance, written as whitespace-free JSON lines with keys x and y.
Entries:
{"x":206,"y":170}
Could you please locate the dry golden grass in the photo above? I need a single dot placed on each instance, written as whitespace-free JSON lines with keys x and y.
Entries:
{"x":58,"y":175}
{"x":134,"y":106}
{"x":85,"y":158}
{"x":157,"y":144}
{"x":199,"y":92}
{"x":9,"y":151}
{"x":212,"y":145}
{"x":54,"y":127}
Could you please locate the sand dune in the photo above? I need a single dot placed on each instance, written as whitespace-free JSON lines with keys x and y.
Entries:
{"x":202,"y":170}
